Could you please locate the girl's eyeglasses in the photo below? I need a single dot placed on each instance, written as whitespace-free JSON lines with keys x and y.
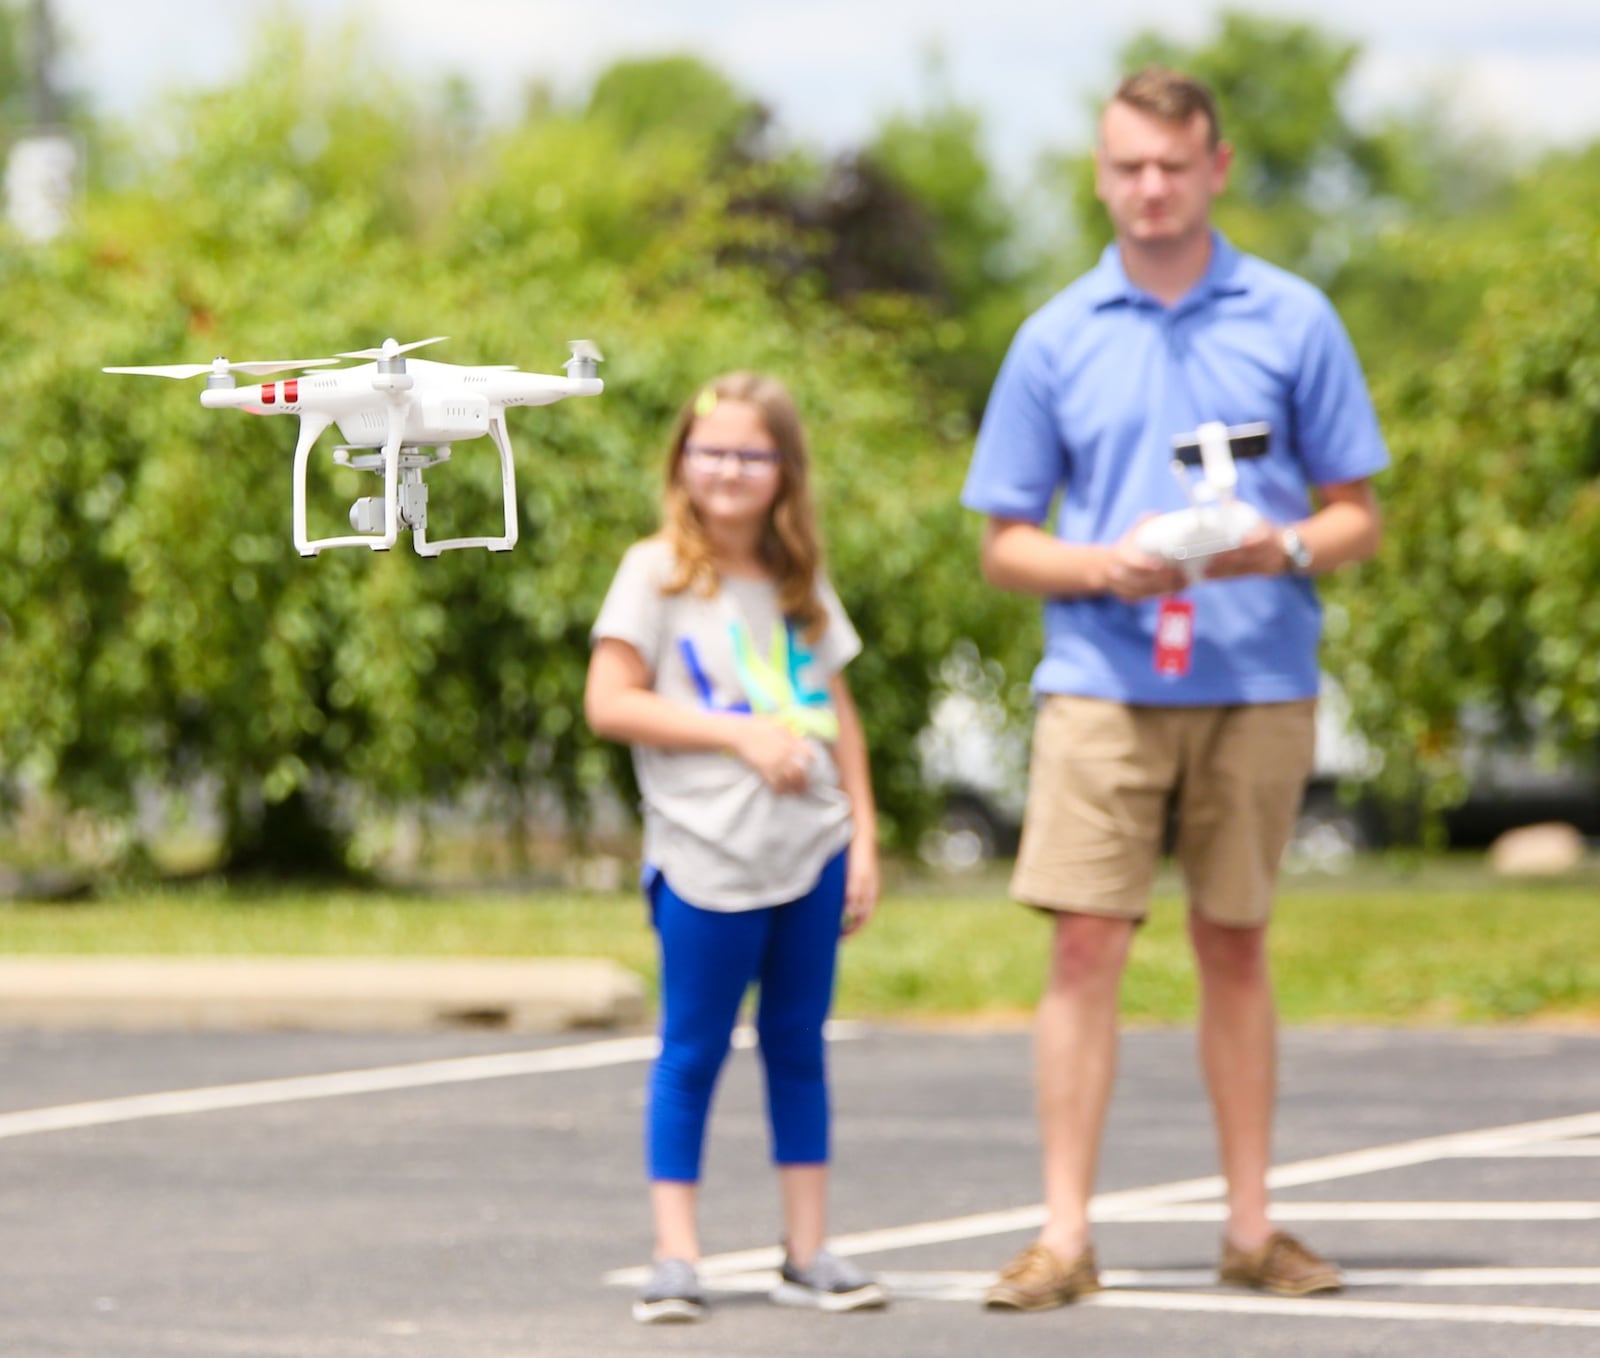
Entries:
{"x":747,"y":461}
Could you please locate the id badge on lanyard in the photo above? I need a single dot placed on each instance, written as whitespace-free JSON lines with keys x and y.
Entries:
{"x":1174,"y":637}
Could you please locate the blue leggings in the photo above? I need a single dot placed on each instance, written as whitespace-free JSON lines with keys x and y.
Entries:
{"x":708,"y":960}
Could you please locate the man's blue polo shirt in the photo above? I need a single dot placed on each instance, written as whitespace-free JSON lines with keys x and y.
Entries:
{"x":1096,"y":385}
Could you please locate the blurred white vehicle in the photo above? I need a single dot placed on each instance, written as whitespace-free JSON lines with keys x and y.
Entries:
{"x":978,"y":760}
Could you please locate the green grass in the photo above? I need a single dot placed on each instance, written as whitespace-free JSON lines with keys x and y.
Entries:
{"x":1443,"y":944}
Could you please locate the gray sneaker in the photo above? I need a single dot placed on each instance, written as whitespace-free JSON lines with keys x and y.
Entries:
{"x":830,"y":1284}
{"x":672,"y":1295}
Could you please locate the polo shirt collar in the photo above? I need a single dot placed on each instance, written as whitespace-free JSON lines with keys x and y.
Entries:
{"x":1109,"y":284}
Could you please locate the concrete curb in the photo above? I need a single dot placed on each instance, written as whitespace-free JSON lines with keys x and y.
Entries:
{"x":347,"y":994}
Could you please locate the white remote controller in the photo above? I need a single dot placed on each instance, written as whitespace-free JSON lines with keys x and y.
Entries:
{"x":1215,"y":521}
{"x":1194,"y":534}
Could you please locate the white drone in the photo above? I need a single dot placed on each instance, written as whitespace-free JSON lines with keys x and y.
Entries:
{"x":1215,"y":521}
{"x":397,"y":420}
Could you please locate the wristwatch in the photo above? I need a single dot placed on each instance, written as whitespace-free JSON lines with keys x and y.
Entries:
{"x":1295,"y":551}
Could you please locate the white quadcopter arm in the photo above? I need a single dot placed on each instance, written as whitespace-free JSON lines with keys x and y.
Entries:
{"x":502,"y":388}
{"x":536,"y":389}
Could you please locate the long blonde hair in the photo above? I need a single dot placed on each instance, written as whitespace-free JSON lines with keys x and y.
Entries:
{"x":790,"y":546}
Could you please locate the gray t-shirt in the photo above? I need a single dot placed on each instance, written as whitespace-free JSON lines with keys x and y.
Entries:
{"x":723,"y":839}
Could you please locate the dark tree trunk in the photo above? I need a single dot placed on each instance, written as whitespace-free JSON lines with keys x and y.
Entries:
{"x":293,"y":838}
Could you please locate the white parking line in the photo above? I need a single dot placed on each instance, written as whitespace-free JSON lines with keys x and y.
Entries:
{"x":1471,"y":1277}
{"x":1118,"y":1206}
{"x":1373,"y":1211}
{"x":376,"y":1080}
{"x":1341,"y":1308}
{"x":1554,"y":1150}
{"x":259,"y":1093}
{"x":1124,"y":1293}
{"x":960,"y":1285}
{"x":1489,"y":1141}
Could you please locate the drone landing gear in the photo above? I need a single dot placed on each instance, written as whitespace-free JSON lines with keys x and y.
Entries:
{"x":508,"y":488}
{"x":378,"y":519}
{"x":387,"y":461}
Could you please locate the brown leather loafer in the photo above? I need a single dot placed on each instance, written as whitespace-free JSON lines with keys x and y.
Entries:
{"x":1283,"y":1265}
{"x":1039,"y":1279}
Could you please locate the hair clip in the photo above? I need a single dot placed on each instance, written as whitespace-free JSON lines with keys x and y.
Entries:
{"x":705,"y":402}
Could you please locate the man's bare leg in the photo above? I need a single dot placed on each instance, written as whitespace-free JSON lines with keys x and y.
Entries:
{"x":1239,"y":1057}
{"x":1075,"y":1064}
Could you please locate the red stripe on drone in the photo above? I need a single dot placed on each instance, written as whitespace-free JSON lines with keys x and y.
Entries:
{"x":291,"y":391}
{"x":269,"y":393}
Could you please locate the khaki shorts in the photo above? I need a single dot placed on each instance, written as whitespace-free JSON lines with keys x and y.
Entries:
{"x":1104,"y":774}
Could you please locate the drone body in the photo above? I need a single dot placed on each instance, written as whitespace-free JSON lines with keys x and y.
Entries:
{"x":397,"y":418}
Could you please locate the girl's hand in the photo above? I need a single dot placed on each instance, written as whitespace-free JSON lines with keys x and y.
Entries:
{"x":860,"y":884}
{"x":782,"y":758}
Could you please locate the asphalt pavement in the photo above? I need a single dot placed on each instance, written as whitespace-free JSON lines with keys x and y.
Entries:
{"x":470,"y":1194}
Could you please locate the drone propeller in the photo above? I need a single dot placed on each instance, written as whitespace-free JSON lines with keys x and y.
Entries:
{"x":220,"y":365}
{"x":390,"y":349}
{"x":585,"y":355}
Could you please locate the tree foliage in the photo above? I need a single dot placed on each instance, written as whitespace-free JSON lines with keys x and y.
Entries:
{"x":31,"y":83}
{"x":650,"y":97}
{"x":936,"y":156}
{"x":1310,"y":184}
{"x":156,"y":623}
{"x":157,"y":629}
{"x":14,"y":67}
{"x":1482,"y":612}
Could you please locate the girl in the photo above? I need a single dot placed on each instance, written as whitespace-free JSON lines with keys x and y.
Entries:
{"x":717,"y":657}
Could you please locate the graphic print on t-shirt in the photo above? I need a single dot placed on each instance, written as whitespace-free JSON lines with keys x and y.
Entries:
{"x":775,"y":686}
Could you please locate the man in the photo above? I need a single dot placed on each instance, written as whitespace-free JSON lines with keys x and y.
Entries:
{"x":1153,"y":689}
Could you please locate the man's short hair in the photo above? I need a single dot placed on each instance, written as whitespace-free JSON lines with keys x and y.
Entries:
{"x":1170,"y":96}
